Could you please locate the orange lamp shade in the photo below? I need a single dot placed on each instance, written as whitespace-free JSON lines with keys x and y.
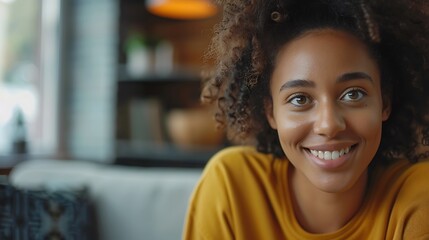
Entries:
{"x":182,"y":9}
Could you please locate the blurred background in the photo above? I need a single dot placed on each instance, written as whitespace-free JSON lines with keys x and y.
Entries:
{"x":102,"y":134}
{"x":115,"y":81}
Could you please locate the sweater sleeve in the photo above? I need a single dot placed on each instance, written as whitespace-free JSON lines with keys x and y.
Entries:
{"x":208,"y":214}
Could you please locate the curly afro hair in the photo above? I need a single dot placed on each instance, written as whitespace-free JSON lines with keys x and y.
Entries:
{"x":251,"y":33}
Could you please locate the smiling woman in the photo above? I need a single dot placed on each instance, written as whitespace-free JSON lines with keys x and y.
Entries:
{"x":333,"y":93}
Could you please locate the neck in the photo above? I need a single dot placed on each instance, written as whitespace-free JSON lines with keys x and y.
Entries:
{"x":323,"y":212}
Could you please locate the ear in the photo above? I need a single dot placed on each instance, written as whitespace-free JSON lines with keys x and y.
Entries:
{"x":387,"y":109}
{"x":268,"y":105}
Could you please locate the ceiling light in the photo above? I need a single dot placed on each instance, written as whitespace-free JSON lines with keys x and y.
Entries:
{"x":182,"y":9}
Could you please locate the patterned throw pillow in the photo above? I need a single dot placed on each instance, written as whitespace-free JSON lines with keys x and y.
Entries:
{"x":45,"y":215}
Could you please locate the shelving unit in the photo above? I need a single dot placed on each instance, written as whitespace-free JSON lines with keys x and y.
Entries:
{"x":143,"y":102}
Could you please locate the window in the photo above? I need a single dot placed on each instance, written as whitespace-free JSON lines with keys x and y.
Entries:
{"x":29,"y":40}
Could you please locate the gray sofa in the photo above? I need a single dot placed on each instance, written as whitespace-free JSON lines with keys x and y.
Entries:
{"x":132,"y":203}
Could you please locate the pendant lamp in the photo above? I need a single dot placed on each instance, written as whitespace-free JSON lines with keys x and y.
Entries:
{"x":182,"y":9}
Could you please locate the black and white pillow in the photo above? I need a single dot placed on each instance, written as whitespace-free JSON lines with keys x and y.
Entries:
{"x":45,"y":215}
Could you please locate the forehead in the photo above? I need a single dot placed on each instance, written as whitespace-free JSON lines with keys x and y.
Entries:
{"x":324,"y":54}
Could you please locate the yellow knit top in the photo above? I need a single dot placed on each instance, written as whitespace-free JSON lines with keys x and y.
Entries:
{"x":243,"y":194}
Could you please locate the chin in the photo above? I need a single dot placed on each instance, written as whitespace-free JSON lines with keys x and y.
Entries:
{"x":333,"y":184}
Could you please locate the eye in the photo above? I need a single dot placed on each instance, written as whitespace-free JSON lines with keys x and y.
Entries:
{"x":299,"y":100}
{"x":353,"y":95}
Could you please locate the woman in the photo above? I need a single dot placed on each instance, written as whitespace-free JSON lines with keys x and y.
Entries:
{"x":333,"y":94}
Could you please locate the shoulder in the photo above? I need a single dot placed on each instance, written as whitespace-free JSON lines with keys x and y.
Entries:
{"x":404,"y":184}
{"x":419,"y":169}
{"x":227,"y":170}
{"x":415,"y":180}
{"x":240,"y":158}
{"x":400,"y":197}
{"x":406,"y":180}
{"x":238,"y":152}
{"x":412,"y":201}
{"x":220,"y":192}
{"x":238,"y":164}
{"x":408,"y":184}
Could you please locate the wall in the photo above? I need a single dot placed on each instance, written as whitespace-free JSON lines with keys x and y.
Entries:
{"x":89,"y":78}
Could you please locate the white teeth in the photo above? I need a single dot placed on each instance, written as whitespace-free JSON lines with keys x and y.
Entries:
{"x":314,"y":152}
{"x":327,"y":155}
{"x":335,"y":155}
{"x":330,"y":155}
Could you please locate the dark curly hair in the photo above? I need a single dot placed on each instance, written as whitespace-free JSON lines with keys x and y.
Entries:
{"x":251,"y":32}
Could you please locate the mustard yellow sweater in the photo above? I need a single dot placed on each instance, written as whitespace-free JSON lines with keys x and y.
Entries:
{"x":243,"y":194}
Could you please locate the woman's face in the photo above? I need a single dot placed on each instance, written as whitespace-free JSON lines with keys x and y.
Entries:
{"x":327,"y":108}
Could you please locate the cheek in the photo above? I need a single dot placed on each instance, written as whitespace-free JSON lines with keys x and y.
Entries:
{"x":368,"y":125}
{"x":292,"y":128}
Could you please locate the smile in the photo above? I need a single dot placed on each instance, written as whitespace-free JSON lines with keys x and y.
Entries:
{"x":330,"y":155}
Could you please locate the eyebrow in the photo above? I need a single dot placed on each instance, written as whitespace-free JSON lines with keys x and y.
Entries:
{"x":308,"y":83}
{"x":297,"y":83}
{"x":353,"y":76}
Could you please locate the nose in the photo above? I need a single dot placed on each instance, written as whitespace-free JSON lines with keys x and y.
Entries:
{"x":329,"y":120}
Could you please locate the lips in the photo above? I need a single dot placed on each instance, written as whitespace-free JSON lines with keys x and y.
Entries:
{"x":329,"y":157}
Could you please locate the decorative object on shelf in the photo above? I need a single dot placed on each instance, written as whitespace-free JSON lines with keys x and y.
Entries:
{"x":182,"y":9}
{"x":19,"y":141}
{"x":148,"y":56}
{"x":193,"y":128}
{"x":163,"y":58}
{"x":145,"y":121}
{"x":138,"y":55}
